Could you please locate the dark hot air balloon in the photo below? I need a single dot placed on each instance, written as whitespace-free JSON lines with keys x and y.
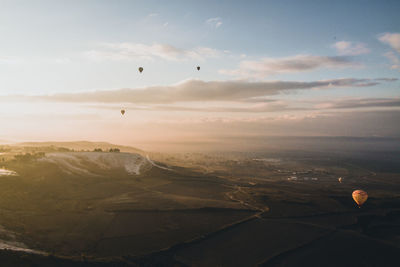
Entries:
{"x":122,"y":111}
{"x":198,"y":67}
{"x":140,"y":69}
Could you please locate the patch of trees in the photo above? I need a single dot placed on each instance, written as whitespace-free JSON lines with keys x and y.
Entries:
{"x":48,"y":149}
{"x":29,"y":157}
{"x":4,"y":149}
{"x":110,"y":150}
{"x":64,"y":149}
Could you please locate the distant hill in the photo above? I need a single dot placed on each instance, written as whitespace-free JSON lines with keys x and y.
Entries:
{"x":5,"y":142}
{"x":81,"y":145}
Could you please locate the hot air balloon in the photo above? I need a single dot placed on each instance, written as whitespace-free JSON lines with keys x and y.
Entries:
{"x":140,"y":69}
{"x":198,"y":67}
{"x":360,"y":197}
{"x":122,"y":111}
{"x":340,"y":179}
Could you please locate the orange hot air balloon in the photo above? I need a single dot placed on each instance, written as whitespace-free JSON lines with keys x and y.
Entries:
{"x":360,"y":197}
{"x":340,"y":179}
{"x":122,"y":111}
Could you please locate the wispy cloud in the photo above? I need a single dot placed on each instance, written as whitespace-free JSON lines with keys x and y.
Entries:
{"x":386,"y":79}
{"x":345,"y":48}
{"x":360,"y":103}
{"x":394,"y":59}
{"x":392,"y":39}
{"x":271,"y":106}
{"x":275,"y":105}
{"x":214,"y":22}
{"x":197,"y":90}
{"x":268,"y":105}
{"x":131,"y":51}
{"x":299,"y":63}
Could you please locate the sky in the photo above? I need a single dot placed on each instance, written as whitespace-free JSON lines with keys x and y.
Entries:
{"x":268,"y":68}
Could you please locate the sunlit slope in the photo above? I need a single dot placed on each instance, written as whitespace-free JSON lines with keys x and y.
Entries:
{"x":94,"y":163}
{"x":100,"y":203}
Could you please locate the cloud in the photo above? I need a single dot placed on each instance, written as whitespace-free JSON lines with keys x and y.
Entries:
{"x":272,"y":106}
{"x":215,"y":22}
{"x":267,"y":105}
{"x":360,"y":103}
{"x":131,"y":51}
{"x":275,"y":105}
{"x":299,"y":63}
{"x":344,"y":48}
{"x":392,"y":39}
{"x":394,"y":59}
{"x":197,"y":90}
{"x":386,"y":79}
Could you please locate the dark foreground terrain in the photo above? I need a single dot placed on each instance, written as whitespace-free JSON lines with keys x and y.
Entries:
{"x":69,"y":207}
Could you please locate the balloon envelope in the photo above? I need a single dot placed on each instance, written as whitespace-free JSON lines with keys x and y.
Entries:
{"x":198,"y":67}
{"x":360,"y":197}
{"x":340,"y":179}
{"x":140,"y":69}
{"x":122,"y":111}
